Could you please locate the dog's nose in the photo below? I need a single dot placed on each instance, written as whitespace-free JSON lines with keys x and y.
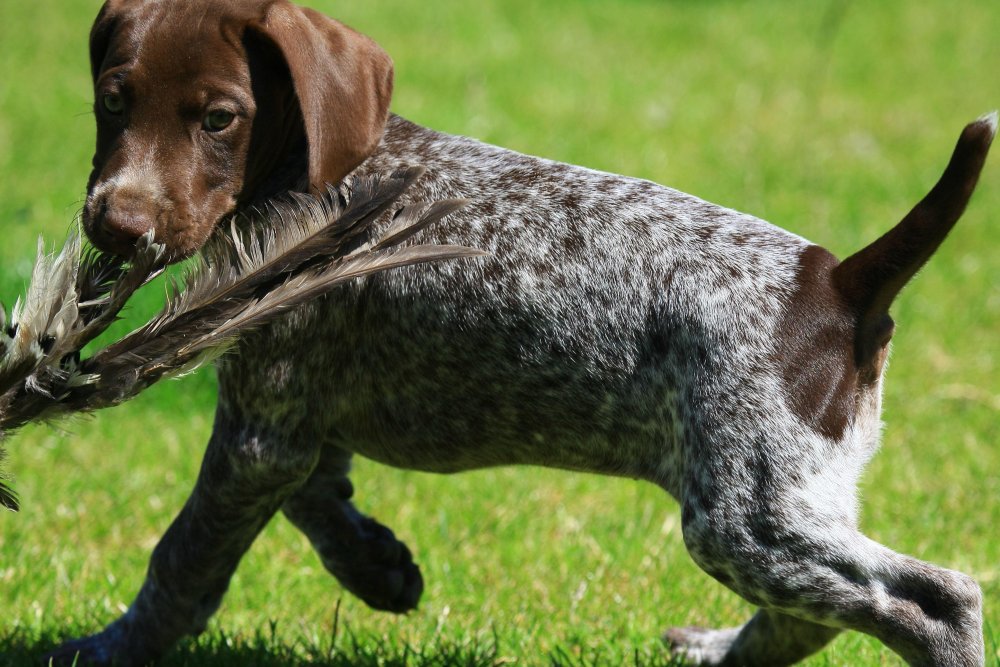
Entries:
{"x":126,"y":226}
{"x":115,"y":223}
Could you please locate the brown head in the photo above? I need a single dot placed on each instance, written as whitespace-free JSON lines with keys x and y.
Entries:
{"x":207,"y":106}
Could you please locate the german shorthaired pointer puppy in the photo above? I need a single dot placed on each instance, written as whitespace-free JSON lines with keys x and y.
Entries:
{"x":618,"y":327}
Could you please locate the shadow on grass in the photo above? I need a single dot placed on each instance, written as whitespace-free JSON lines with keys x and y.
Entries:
{"x":216,"y":649}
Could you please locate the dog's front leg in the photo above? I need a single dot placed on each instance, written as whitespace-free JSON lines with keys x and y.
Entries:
{"x":246,"y":475}
{"x":364,"y":556}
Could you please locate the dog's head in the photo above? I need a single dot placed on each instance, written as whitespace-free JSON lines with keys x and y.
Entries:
{"x":206,"y":106}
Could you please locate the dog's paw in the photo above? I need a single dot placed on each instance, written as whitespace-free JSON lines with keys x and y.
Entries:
{"x":105,"y":648}
{"x":700,"y":646}
{"x":379,"y":569}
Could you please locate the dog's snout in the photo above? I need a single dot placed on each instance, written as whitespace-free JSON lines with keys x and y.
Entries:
{"x":115,"y":221}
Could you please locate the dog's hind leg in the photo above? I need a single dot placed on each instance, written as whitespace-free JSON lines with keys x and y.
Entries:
{"x":769,"y":638}
{"x":245,"y":476}
{"x":361,"y":553}
{"x":928,"y":615}
{"x":799,"y":560}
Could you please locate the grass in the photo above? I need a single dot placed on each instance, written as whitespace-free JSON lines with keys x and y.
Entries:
{"x":830,"y":119}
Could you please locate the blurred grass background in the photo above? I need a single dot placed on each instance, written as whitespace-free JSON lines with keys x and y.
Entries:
{"x":829,"y":118}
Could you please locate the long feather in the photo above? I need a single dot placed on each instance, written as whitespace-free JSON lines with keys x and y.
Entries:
{"x":313,"y":284}
{"x":234,"y":306}
{"x":306,"y":237}
{"x":415,"y":218}
{"x":307,"y":232}
{"x":292,"y":252}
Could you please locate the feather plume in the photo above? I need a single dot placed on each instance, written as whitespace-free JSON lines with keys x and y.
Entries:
{"x":263,"y":266}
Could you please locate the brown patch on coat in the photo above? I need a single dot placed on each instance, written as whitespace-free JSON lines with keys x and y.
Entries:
{"x":815,"y":348}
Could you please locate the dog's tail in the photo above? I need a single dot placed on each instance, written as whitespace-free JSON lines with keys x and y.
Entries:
{"x":871,"y":278}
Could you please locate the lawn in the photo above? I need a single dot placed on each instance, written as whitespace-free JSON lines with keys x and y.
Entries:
{"x":828,"y":118}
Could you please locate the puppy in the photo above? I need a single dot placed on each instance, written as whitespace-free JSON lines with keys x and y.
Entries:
{"x":617,"y":326}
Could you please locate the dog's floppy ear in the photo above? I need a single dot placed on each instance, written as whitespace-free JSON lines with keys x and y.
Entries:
{"x":100,"y":35}
{"x":343,"y":81}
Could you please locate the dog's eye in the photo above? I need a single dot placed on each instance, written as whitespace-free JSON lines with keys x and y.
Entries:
{"x":218,"y":120}
{"x":113,"y":103}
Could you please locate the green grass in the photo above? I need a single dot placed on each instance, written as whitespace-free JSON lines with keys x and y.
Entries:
{"x":830,"y":119}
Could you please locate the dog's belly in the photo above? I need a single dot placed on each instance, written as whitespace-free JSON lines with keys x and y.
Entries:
{"x":439,"y":390}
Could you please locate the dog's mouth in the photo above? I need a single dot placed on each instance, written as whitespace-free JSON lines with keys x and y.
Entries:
{"x":116,"y":230}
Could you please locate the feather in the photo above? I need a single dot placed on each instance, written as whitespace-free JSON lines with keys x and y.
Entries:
{"x":412,"y":219}
{"x":41,"y":317}
{"x":234,"y":306}
{"x":257,"y":269}
{"x":261,"y":259}
{"x":310,"y":285}
{"x":8,"y":499}
{"x":148,"y":261}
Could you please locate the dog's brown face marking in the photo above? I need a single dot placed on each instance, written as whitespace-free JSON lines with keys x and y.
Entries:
{"x":174,"y":118}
